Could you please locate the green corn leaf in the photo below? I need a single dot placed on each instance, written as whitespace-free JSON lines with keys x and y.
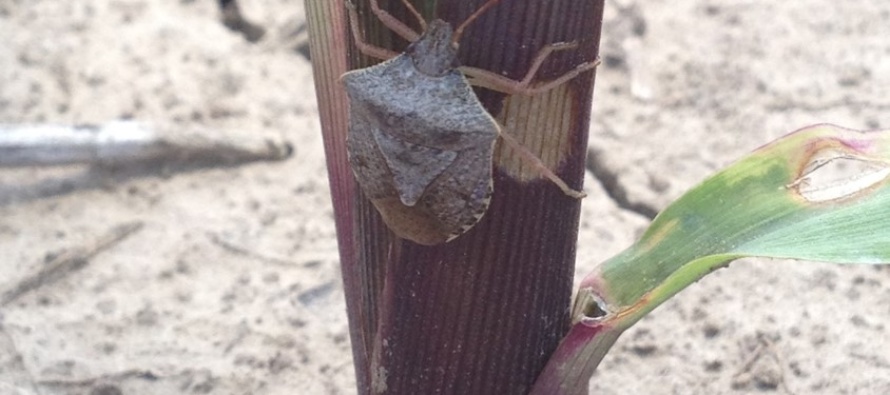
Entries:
{"x":820,"y":193}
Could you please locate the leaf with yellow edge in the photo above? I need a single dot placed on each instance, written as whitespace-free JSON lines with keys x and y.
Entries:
{"x":820,"y":193}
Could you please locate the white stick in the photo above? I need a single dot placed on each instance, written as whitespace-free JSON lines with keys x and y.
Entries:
{"x":126,"y":142}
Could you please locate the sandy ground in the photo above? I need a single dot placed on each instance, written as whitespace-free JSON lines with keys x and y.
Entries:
{"x":232,"y":284}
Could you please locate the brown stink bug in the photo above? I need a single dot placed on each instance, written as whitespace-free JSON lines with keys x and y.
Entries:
{"x":420,"y":143}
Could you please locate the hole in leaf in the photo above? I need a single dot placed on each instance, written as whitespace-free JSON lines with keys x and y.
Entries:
{"x":832,"y":175}
{"x":593,"y":310}
{"x":588,"y":306}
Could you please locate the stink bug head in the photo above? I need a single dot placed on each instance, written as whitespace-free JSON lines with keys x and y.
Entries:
{"x":435,"y":53}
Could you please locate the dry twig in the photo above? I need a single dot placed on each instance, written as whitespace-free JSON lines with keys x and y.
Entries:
{"x":68,"y":262}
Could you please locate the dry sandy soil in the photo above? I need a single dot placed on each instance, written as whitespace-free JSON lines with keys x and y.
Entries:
{"x":232,"y":284}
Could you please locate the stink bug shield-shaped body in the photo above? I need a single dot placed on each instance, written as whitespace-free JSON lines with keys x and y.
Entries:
{"x":420,"y":143}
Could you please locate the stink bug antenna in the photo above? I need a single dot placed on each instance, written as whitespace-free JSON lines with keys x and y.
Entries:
{"x":416,"y":14}
{"x":460,"y":29}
